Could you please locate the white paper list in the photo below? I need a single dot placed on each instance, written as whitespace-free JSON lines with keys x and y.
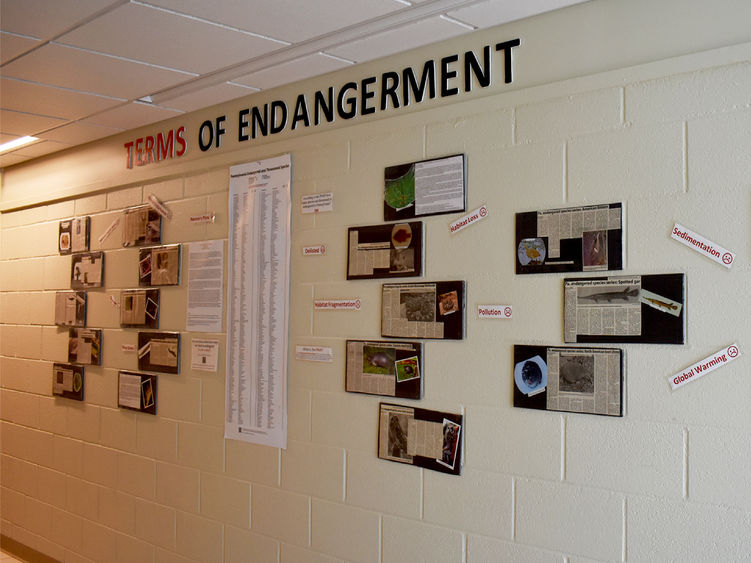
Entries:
{"x":258,"y":294}
{"x":205,"y":284}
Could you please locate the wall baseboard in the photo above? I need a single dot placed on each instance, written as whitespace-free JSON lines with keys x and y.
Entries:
{"x":24,"y":552}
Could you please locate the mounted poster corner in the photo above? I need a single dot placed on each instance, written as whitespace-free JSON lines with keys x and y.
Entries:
{"x":427,"y":187}
{"x":574,"y":239}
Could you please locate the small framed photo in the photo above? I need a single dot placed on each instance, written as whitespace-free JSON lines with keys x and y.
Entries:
{"x":159,"y":351}
{"x":142,"y":226}
{"x":159,"y":265}
{"x":139,"y":307}
{"x":87,"y":270}
{"x":74,"y":235}
{"x":67,"y":381}
{"x":137,"y":391}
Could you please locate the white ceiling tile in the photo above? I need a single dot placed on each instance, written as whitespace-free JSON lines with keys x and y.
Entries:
{"x":13,"y":45}
{"x":78,"y":133}
{"x":29,"y":97}
{"x":99,"y":74}
{"x":158,"y":37}
{"x":41,"y":148}
{"x":208,"y":97}
{"x":397,"y":40}
{"x":289,"y":20}
{"x":292,"y":71}
{"x":17,"y":123}
{"x":496,"y":12}
{"x":46,"y":18}
{"x":131,"y":115}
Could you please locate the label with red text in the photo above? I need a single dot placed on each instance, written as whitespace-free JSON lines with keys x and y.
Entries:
{"x":494,"y":311}
{"x":314,"y":353}
{"x":318,"y":203}
{"x":469,"y":219}
{"x":105,"y":235}
{"x":317,"y":250}
{"x":703,"y":367}
{"x":336,"y":304}
{"x":204,"y":218}
{"x":703,"y":246}
{"x":159,"y":208}
{"x":128,"y":347}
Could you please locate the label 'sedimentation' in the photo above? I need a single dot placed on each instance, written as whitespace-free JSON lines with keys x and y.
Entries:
{"x":469,"y":219}
{"x":703,"y":246}
{"x":703,"y":367}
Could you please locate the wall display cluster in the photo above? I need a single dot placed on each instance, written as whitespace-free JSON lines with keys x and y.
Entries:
{"x":70,"y":308}
{"x":139,"y":307}
{"x":583,"y":380}
{"x":85,"y":346}
{"x":385,"y":368}
{"x":159,"y":265}
{"x":647,"y":309}
{"x":87,"y":270}
{"x":142,"y":226}
{"x":159,"y":351}
{"x":67,"y":381}
{"x":575,"y":239}
{"x":421,"y":437}
{"x":74,"y":235}
{"x":137,"y":391}
{"x":427,"y":187}
{"x":423,"y":310}
{"x":385,"y":251}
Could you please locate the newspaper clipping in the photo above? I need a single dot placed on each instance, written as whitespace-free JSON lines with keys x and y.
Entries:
{"x":589,"y":223}
{"x":139,"y":307}
{"x":67,"y":381}
{"x":409,"y":310}
{"x":381,"y":368}
{"x":609,"y":306}
{"x":87,"y":270}
{"x":74,"y":235}
{"x":85,"y":346}
{"x":159,"y":265}
{"x":141,"y":226}
{"x":70,"y":308}
{"x":383,"y":251}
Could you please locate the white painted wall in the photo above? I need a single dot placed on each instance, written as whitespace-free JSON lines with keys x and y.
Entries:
{"x":667,"y":482}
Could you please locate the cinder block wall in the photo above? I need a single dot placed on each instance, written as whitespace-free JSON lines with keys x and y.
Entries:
{"x":668,"y":482}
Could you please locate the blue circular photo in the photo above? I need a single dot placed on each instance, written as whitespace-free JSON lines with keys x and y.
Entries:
{"x":531,"y":375}
{"x":531,"y":251}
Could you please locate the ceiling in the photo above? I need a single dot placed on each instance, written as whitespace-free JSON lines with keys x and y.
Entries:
{"x":73,"y":71}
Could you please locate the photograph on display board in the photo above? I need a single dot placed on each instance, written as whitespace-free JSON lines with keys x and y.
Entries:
{"x":87,"y":270}
{"x":423,"y":310}
{"x":159,"y":351}
{"x":385,"y":251}
{"x":159,"y":265}
{"x":141,"y":226}
{"x":70,"y":308}
{"x":67,"y":381}
{"x":574,"y":239}
{"x":427,"y":187}
{"x":85,"y":346}
{"x":392,"y":369}
{"x":74,"y":235}
{"x":647,"y":309}
{"x":139,"y":307}
{"x":582,"y":380}
{"x":420,"y":437}
{"x":137,"y":391}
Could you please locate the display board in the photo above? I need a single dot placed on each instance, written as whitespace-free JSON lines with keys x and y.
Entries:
{"x":421,"y":437}
{"x":385,"y":251}
{"x":142,"y":226}
{"x":574,"y":239}
{"x":87,"y":270}
{"x":427,"y":187}
{"x":73,"y":235}
{"x":68,"y":381}
{"x":139,"y":307}
{"x":647,"y":309}
{"x":159,"y":265}
{"x":70,"y":308}
{"x":583,"y":380}
{"x":159,"y":351}
{"x":423,"y":310}
{"x":393,"y":369}
{"x":137,"y":391}
{"x":85,"y":346}
{"x":258,"y":299}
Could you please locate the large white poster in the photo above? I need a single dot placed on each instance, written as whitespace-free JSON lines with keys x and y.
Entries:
{"x":258,"y":295}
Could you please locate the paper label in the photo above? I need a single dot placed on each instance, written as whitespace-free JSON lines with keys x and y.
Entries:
{"x":317,"y":250}
{"x":335,"y":304}
{"x":703,"y":246}
{"x":314,"y":353}
{"x":318,"y":203}
{"x":159,"y":208}
{"x":205,"y":218}
{"x":703,"y":367}
{"x":204,"y":354}
{"x":494,"y":311}
{"x":128,"y":348}
{"x":109,"y":230}
{"x":114,"y":302}
{"x":469,"y":219}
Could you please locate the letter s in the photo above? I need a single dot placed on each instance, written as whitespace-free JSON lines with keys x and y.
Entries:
{"x":180,"y":138}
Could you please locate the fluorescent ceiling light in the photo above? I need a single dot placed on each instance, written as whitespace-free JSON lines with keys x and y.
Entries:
{"x":10,"y":145}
